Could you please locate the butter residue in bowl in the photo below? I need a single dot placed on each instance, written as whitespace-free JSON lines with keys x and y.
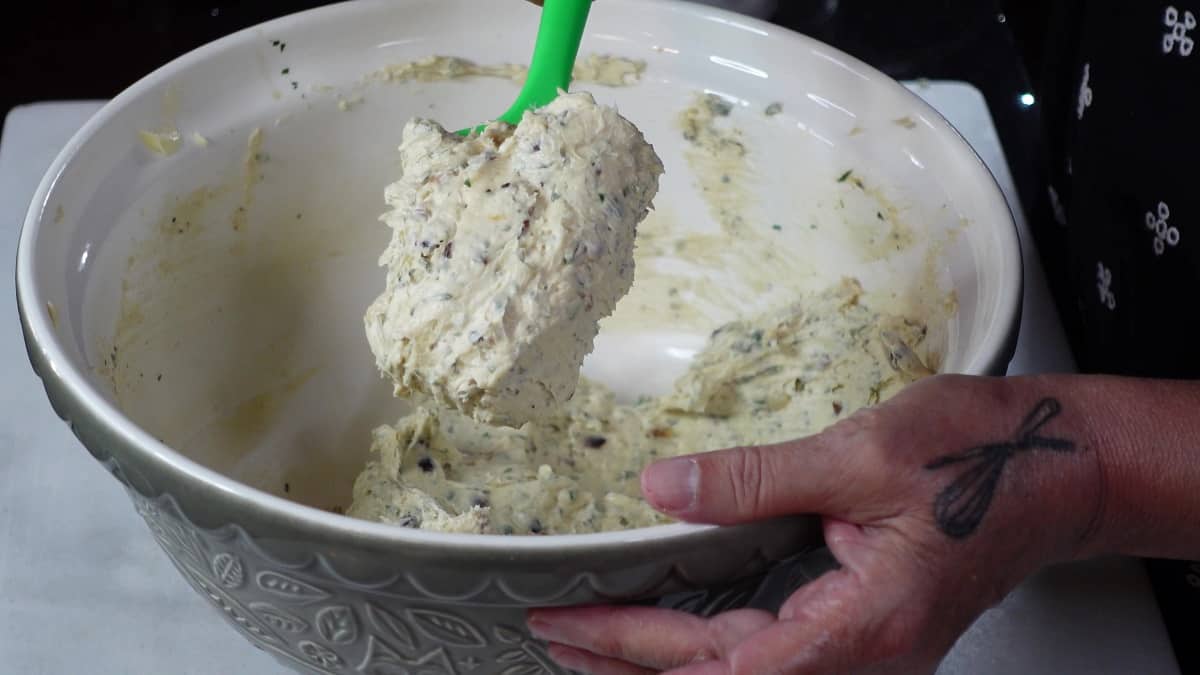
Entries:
{"x":161,"y":142}
{"x":165,"y":139}
{"x":788,"y":371}
{"x":251,"y":176}
{"x":602,"y":69}
{"x":777,"y":376}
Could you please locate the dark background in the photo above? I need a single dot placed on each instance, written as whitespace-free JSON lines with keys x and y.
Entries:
{"x":93,"y":50}
{"x":79,"y":50}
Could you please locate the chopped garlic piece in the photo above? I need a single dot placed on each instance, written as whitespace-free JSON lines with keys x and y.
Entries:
{"x":165,"y":143}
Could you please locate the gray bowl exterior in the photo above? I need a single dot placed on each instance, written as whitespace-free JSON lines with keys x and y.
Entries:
{"x":324,"y":601}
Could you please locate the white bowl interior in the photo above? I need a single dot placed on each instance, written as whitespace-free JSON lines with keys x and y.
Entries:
{"x":243,"y":347}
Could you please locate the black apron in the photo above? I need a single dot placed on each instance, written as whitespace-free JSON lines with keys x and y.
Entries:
{"x":1119,"y":223}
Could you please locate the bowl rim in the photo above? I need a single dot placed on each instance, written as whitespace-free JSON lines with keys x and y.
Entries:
{"x":74,"y":383}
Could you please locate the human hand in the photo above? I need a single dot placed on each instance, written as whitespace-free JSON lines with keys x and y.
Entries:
{"x":935,"y":503}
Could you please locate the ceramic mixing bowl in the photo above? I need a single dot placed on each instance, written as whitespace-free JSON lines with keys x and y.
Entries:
{"x":193,"y":272}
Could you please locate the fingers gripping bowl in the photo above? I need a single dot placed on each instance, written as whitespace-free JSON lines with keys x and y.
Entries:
{"x":193,"y":296}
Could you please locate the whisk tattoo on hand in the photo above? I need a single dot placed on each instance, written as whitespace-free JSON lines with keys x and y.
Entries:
{"x":961,"y":506}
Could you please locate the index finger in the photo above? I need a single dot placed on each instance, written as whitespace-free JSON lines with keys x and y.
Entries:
{"x":646,"y":637}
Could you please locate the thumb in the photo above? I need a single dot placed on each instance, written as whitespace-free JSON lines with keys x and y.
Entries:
{"x":830,"y":473}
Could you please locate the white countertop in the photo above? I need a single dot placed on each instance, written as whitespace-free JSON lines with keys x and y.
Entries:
{"x":84,"y":589}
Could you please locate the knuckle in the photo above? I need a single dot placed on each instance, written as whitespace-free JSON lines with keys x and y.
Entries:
{"x":745,"y":475}
{"x":864,"y":425}
{"x":706,"y":653}
{"x":867,"y":434}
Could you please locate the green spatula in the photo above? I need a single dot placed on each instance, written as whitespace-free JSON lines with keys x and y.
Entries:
{"x":558,"y":38}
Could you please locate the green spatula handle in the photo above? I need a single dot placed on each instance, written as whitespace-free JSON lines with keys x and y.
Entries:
{"x":558,"y":38}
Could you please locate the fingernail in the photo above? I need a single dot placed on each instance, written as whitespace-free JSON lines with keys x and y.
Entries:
{"x":671,"y":485}
{"x":540,"y":628}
